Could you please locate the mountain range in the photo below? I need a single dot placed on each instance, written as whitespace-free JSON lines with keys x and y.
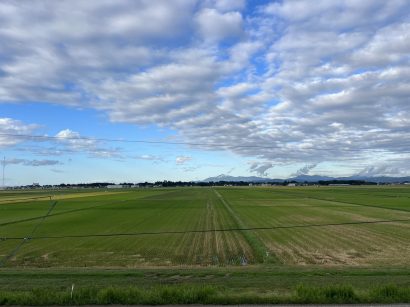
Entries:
{"x":306,"y":178}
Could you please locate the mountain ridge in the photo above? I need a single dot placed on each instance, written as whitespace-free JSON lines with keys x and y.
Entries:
{"x":306,"y":178}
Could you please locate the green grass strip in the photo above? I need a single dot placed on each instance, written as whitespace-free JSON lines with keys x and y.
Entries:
{"x":261,"y":253}
{"x":174,"y":294}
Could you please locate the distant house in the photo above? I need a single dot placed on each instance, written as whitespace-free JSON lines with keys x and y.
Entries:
{"x":292,"y":185}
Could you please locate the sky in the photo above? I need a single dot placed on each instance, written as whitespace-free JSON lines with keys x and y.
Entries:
{"x":264,"y":88}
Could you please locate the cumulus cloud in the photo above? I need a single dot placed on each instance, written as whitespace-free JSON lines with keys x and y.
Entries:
{"x":289,"y":81}
{"x":148,"y":157}
{"x":394,"y":168}
{"x":215,"y":26}
{"x":153,"y":158}
{"x":73,"y":140}
{"x":75,"y":143}
{"x":260,"y":168}
{"x":10,"y":129}
{"x":182,"y":159}
{"x":304,"y":170}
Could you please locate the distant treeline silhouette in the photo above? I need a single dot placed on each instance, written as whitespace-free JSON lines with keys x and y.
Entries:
{"x":167,"y":183}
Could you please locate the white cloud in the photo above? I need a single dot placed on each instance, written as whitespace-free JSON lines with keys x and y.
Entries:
{"x":394,"y":168}
{"x":10,"y":129}
{"x":304,"y":170}
{"x":291,"y":81}
{"x":153,"y":158}
{"x":215,"y":26}
{"x":224,"y":5}
{"x":28,"y":162}
{"x":182,"y":159}
{"x":74,"y":142}
{"x":260,"y":168}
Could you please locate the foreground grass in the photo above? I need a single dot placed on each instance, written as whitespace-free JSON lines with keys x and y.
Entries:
{"x":167,"y":294}
{"x":230,"y":285}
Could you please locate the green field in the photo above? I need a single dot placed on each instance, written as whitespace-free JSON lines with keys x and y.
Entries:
{"x":275,"y":237}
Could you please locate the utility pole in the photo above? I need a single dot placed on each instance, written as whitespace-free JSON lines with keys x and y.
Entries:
{"x":4,"y":167}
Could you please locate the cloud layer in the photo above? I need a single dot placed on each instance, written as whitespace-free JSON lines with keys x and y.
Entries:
{"x":290,"y":81}
{"x":28,"y":162}
{"x":11,"y":128}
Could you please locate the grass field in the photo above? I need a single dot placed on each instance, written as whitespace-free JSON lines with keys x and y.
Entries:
{"x":258,"y":241}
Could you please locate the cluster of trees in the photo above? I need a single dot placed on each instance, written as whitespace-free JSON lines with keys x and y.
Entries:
{"x":348,"y":182}
{"x":167,"y":183}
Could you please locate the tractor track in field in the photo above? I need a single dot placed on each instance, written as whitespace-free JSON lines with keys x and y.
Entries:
{"x":260,"y":250}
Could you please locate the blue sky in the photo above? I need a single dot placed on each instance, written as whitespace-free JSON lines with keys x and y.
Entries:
{"x":288,"y":87}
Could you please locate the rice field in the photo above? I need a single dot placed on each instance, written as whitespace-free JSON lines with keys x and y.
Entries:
{"x":144,"y":228}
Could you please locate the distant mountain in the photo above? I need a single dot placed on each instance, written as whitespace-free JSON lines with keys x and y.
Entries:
{"x":224,"y":177}
{"x":306,"y":178}
{"x":310,"y":178}
{"x":382,"y":179}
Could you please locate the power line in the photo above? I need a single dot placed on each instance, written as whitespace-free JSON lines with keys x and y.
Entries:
{"x":129,"y":234}
{"x":217,"y":145}
{"x":63,"y":212}
{"x":29,"y":237}
{"x":4,"y":167}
